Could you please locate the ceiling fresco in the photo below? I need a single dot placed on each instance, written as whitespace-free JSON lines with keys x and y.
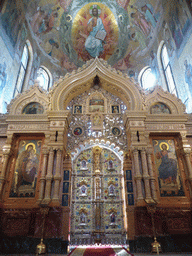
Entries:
{"x":70,"y":32}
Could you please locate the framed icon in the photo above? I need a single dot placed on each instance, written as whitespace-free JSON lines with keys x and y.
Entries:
{"x":115,"y":109}
{"x":116,"y":131}
{"x":66,"y":175}
{"x":77,"y":109}
{"x":78,"y":131}
{"x":64,"y":200}
{"x":128,"y":175}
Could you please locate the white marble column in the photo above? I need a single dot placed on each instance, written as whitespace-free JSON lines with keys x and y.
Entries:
{"x":43,"y":173}
{"x":138,"y":176}
{"x":47,"y":197}
{"x":6,"y":154}
{"x":152,"y":177}
{"x":187,"y":151}
{"x":57,"y":176}
{"x":146,"y":177}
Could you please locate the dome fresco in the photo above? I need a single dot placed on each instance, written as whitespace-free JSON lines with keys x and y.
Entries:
{"x":63,"y":30}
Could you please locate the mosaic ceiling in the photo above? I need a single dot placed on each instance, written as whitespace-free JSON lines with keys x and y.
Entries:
{"x":70,"y":32}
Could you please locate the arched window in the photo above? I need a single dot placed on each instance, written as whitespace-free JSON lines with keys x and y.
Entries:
{"x":147,"y":78}
{"x":22,"y":71}
{"x":44,"y":78}
{"x":171,"y":87}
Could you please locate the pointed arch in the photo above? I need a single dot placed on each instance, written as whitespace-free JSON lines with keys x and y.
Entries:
{"x":111,"y":80}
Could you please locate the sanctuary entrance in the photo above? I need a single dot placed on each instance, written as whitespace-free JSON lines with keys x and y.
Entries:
{"x":97,"y":142}
{"x":97,"y":205}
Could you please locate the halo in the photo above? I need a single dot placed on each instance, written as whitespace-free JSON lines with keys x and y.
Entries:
{"x":160,"y":145}
{"x":30,"y":144}
{"x":95,"y":6}
{"x":68,"y":18}
{"x":39,"y":143}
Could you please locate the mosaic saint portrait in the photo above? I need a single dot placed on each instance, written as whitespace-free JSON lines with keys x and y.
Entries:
{"x":77,"y":109}
{"x":160,"y":108}
{"x":78,"y":131}
{"x":115,"y":109}
{"x":33,"y":108}
{"x":116,"y":131}
{"x":168,"y":169}
{"x":64,"y":200}
{"x":66,"y":175}
{"x":130,"y":199}
{"x":65,"y":187}
{"x":26,"y":169}
{"x":128,"y":175}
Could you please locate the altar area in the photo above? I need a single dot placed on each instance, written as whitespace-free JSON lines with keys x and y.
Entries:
{"x":99,"y":250}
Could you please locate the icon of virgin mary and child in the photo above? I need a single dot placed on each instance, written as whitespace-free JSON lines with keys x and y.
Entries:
{"x":97,"y":33}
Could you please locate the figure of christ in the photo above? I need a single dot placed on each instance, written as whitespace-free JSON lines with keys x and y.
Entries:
{"x":93,"y":44}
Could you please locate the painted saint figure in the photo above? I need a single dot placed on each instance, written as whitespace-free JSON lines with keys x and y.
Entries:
{"x":26,"y":168}
{"x":168,"y":166}
{"x":97,"y":33}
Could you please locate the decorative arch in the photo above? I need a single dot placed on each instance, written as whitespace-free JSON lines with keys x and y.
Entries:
{"x":81,"y":80}
{"x":34,"y":94}
{"x":174,"y":104}
{"x":101,"y":143}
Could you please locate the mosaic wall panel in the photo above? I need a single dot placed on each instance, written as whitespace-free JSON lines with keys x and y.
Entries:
{"x":111,"y":188}
{"x":26,"y":169}
{"x":111,"y":163}
{"x":166,"y":162}
{"x":83,"y":216}
{"x":113,"y":216}
{"x":83,"y":188}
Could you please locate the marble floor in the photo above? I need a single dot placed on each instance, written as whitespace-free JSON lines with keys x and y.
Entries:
{"x":135,"y":254}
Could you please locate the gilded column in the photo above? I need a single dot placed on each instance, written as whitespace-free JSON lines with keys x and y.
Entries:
{"x":43,"y":173}
{"x":57,"y":177}
{"x":138,"y":175}
{"x":146,"y":177}
{"x":152,"y":177}
{"x":6,"y":153}
{"x":47,"y":197}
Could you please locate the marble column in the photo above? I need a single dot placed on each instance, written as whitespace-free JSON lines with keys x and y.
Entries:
{"x":43,"y":173}
{"x":187,"y":151}
{"x":47,"y":197}
{"x":152,"y":177}
{"x":138,"y":176}
{"x":146,"y":177}
{"x":57,"y":176}
{"x":6,"y":154}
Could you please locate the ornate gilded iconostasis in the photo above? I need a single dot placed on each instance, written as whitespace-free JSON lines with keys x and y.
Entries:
{"x":109,"y":161}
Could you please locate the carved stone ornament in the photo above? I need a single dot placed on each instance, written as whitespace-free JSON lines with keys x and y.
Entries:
{"x":35,"y":94}
{"x":157,"y":96}
{"x":81,"y":80}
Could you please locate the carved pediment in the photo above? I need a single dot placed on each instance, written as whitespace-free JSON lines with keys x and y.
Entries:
{"x":79,"y":81}
{"x":165,"y":101}
{"x":34,"y":95}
